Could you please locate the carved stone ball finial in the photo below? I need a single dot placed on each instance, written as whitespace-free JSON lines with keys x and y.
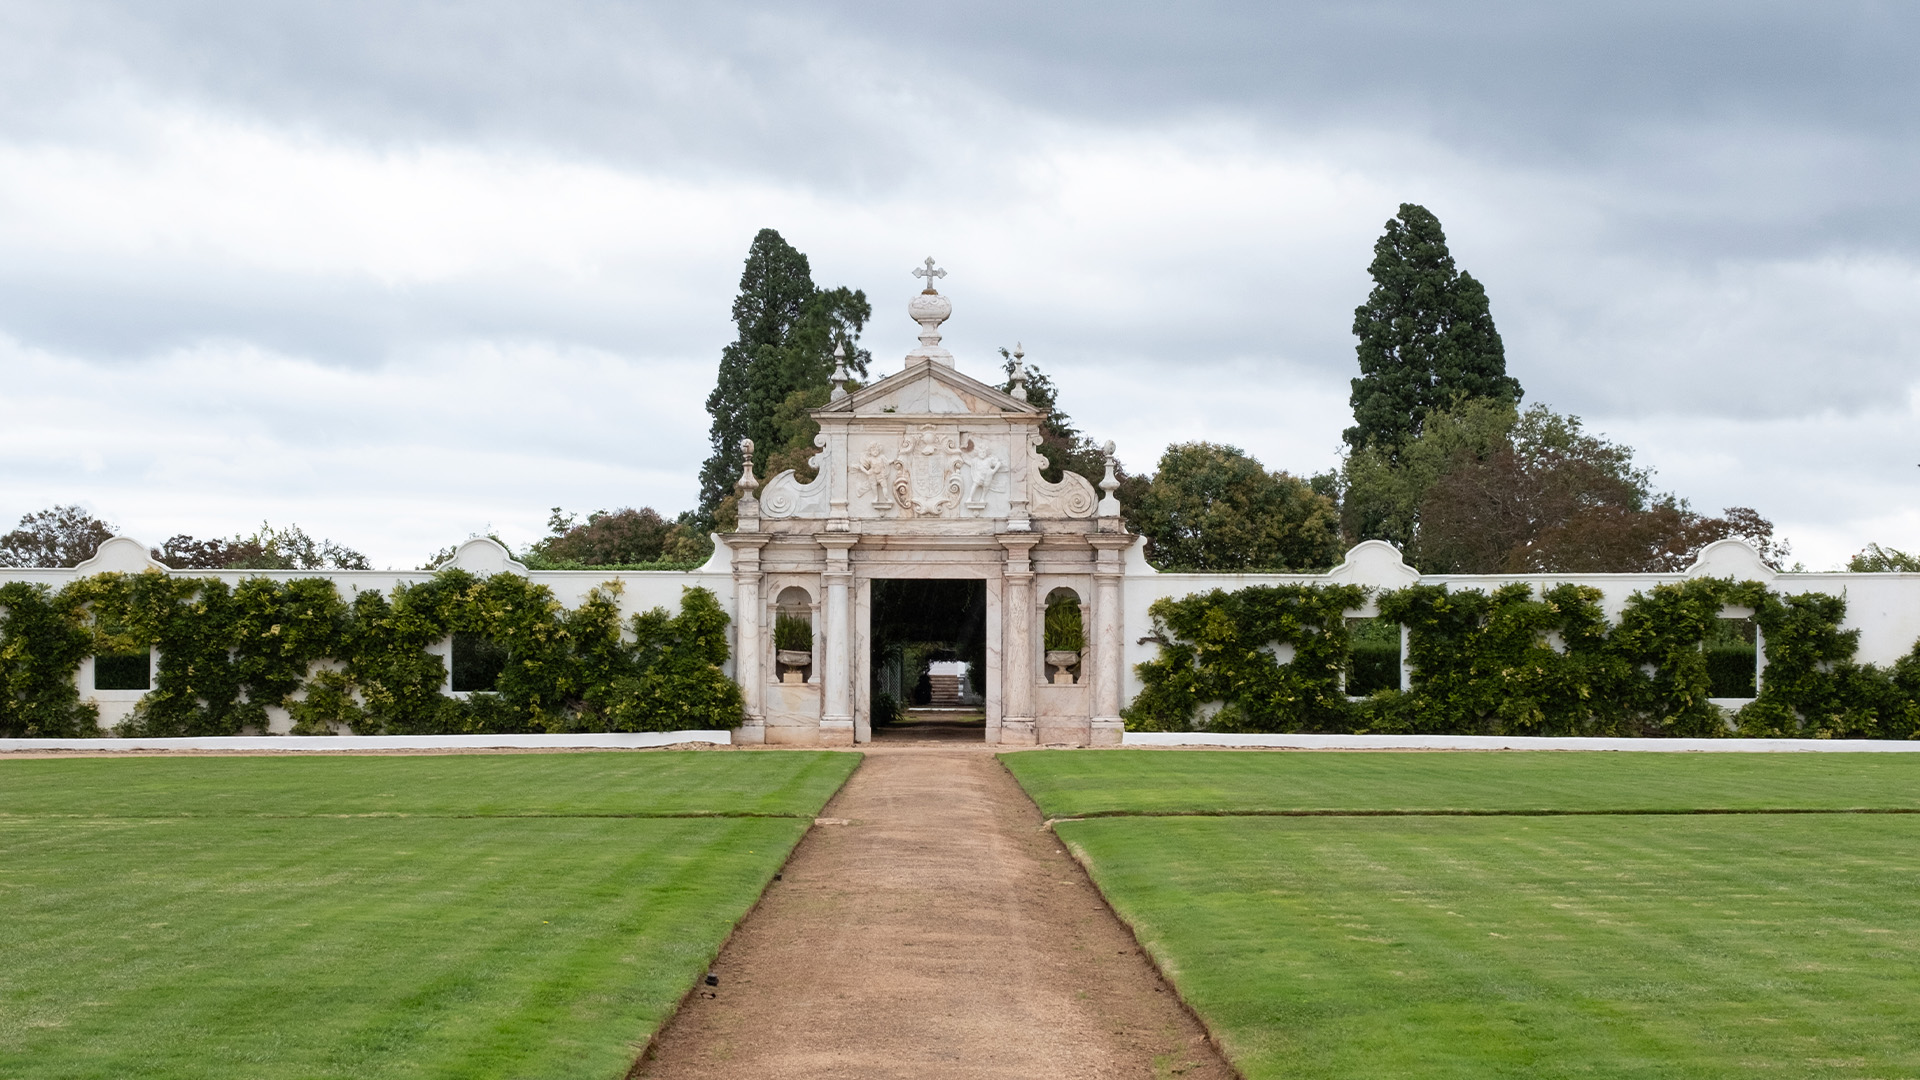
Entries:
{"x":930,"y":309}
{"x":839,"y":376}
{"x":746,"y":484}
{"x":1019,"y":390}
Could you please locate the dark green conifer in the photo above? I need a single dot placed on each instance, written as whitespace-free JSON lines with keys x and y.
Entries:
{"x":787,"y":331}
{"x":1427,"y":340}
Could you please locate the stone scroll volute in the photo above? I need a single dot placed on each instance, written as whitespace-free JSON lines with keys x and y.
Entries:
{"x":1072,"y":497}
{"x":785,"y":496}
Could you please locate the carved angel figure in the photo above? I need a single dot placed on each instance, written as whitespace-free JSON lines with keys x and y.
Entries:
{"x":982,"y":467}
{"x":870,"y":476}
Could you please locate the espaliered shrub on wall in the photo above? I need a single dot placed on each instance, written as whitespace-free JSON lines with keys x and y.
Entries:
{"x":227,"y":653}
{"x":43,"y":638}
{"x":1812,"y":685}
{"x":1220,"y":648}
{"x":1486,"y":663}
{"x":1513,"y":663}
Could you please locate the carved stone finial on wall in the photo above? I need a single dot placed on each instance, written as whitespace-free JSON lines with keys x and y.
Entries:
{"x":930,"y":309}
{"x":1019,"y":390}
{"x":747,"y":483}
{"x":1109,"y":505}
{"x":839,"y":376}
{"x":749,"y":509}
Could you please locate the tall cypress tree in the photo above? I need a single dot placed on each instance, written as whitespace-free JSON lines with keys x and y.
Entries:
{"x":787,"y":329}
{"x":1427,"y":340}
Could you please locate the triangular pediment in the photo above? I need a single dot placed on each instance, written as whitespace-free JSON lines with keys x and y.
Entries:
{"x":930,"y":389}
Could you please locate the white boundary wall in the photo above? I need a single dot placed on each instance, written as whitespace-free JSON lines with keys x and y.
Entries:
{"x":1517,"y":742}
{"x":641,"y":591}
{"x":333,"y":744}
{"x":1885,"y":608}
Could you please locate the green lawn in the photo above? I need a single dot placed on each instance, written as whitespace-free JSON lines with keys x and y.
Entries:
{"x":1075,"y":784}
{"x":1632,"y":945}
{"x":658,"y":783}
{"x":434,"y":916}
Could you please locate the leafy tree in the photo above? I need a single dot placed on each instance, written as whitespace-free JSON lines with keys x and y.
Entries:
{"x":1382,"y":488}
{"x":1061,"y":443}
{"x":1876,"y":559}
{"x":1486,"y":489}
{"x":787,"y":330}
{"x":1212,"y":507}
{"x":793,"y":431}
{"x":1427,"y":339}
{"x":267,"y":549}
{"x":57,"y":536}
{"x":624,"y":537}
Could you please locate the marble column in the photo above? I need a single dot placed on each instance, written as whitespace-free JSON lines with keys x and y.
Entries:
{"x":750,"y":646}
{"x":1016,"y":642}
{"x":1109,"y":638}
{"x":836,"y":682}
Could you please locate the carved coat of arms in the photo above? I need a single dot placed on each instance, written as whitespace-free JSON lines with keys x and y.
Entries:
{"x":926,"y":476}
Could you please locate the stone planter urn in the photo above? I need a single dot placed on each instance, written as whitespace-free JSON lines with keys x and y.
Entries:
{"x":1060,"y":660}
{"x":791,"y":661}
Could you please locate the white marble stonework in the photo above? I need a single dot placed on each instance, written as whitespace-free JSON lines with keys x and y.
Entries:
{"x":929,"y":473}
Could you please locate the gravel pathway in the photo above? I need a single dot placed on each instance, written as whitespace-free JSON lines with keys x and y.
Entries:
{"x":931,"y":927}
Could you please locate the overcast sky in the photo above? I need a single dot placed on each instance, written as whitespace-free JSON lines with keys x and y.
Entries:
{"x":402,"y":271}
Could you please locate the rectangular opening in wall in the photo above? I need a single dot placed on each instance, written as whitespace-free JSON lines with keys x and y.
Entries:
{"x":124,"y":671}
{"x":477,"y":663}
{"x":1374,"y":663}
{"x":929,"y":658}
{"x":1733,"y":658}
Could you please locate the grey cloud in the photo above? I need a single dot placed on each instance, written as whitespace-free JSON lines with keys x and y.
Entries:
{"x":129,"y":312}
{"x":774,"y":86}
{"x":1716,"y":128}
{"x":1649,"y":189}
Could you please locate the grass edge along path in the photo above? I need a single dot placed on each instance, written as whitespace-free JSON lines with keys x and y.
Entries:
{"x":432,"y":944}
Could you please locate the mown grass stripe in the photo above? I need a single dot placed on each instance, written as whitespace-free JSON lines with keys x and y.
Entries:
{"x":1652,"y":812}
{"x":405,"y":815}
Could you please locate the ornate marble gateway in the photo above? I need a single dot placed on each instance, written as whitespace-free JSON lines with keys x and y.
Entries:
{"x":928,"y":472}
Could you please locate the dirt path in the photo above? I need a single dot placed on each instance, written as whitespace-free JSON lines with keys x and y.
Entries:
{"x":941,"y":932}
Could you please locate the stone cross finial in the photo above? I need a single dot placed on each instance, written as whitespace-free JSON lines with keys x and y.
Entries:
{"x":930,"y":272}
{"x":930,"y":309}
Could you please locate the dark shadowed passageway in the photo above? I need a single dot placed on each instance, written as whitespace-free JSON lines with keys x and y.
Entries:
{"x":928,"y":658}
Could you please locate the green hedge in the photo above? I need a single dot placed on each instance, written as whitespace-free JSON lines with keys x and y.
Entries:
{"x":1509,"y":662}
{"x":228,"y":652}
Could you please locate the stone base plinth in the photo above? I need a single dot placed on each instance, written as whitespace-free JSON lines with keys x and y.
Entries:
{"x":836,"y":732}
{"x":751,"y":733}
{"x":1107,"y":731}
{"x":1017,"y":731}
